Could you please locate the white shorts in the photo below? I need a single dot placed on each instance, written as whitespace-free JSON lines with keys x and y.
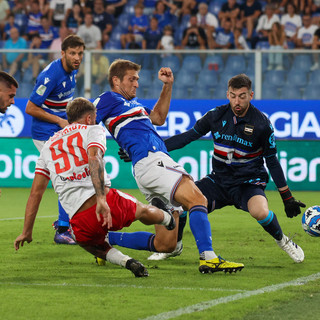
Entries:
{"x":39,"y":144}
{"x":159,"y":176}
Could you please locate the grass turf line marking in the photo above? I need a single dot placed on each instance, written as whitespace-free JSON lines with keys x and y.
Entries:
{"x":22,"y":218}
{"x":116,"y":286}
{"x":211,"y":303}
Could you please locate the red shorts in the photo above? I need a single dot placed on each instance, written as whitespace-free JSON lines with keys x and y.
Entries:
{"x":86,"y":227}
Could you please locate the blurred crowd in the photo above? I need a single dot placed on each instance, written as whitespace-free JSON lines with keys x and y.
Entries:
{"x":159,"y":25}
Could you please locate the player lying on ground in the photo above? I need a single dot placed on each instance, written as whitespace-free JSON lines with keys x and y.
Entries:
{"x":73,"y":160}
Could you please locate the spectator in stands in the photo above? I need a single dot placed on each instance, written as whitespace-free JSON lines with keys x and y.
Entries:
{"x":316,"y":46}
{"x":13,"y":60}
{"x":105,"y":39}
{"x":115,"y":7}
{"x":58,"y":10}
{"x":47,"y":32}
{"x":240,"y":42}
{"x":149,"y":6}
{"x":223,"y":37}
{"x":206,"y":20}
{"x":291,"y":21}
{"x":85,"y":5}
{"x":10,"y":24}
{"x":137,"y":27}
{"x":90,"y":33}
{"x":315,"y":12}
{"x":44,"y":7}
{"x":277,"y":41}
{"x":56,"y":43}
{"x":34,"y":19}
{"x":305,"y":34}
{"x":73,"y":19}
{"x":194,"y":37}
{"x":265,"y":23}
{"x":99,"y":70}
{"x":167,"y":41}
{"x":101,"y":18}
{"x":250,"y":11}
{"x":4,"y":12}
{"x":152,"y":36}
{"x":303,"y":6}
{"x":162,"y":14}
{"x":20,"y":11}
{"x":188,"y":7}
{"x":230,"y":10}
{"x":35,"y":59}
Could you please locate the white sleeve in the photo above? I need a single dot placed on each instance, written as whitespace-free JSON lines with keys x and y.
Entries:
{"x":261,"y":23}
{"x":41,"y":167}
{"x":97,"y":138}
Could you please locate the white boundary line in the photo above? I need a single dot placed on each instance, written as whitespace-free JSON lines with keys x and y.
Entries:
{"x":22,"y":218}
{"x":211,"y":303}
{"x":117,"y":286}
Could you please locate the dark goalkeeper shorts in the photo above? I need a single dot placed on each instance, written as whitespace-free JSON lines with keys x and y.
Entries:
{"x":219,"y":195}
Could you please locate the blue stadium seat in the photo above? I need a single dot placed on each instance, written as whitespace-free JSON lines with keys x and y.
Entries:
{"x":213,"y":62}
{"x":302,"y":62}
{"x":314,"y":78}
{"x":235,"y":64}
{"x":274,"y":77}
{"x":270,"y":91}
{"x":207,"y":79}
{"x":124,"y":21}
{"x":180,"y":93}
{"x":113,"y":44}
{"x":225,"y":77}
{"x":172,"y":62}
{"x":220,"y":91}
{"x":116,"y":33}
{"x":290,"y":92}
{"x":154,"y":91}
{"x":201,"y":92}
{"x":145,"y":78}
{"x":311,"y":92}
{"x":215,"y":6}
{"x":192,"y":63}
{"x":25,"y":89}
{"x":262,"y":45}
{"x":297,"y":78}
{"x":185,"y":79}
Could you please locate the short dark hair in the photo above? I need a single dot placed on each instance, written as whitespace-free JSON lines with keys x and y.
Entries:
{"x":72,"y":41}
{"x":239,"y":81}
{"x":119,"y":67}
{"x":8,"y":80}
{"x":79,"y":107}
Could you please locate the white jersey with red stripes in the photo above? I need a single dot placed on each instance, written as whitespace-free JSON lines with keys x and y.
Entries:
{"x":64,"y":160}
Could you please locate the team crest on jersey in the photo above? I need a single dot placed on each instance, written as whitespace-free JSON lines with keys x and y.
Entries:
{"x":248,"y":129}
{"x":64,"y":84}
{"x":46,"y":80}
{"x":41,"y":90}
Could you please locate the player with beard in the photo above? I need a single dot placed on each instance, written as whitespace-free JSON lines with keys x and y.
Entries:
{"x":47,"y":104}
{"x":8,"y":89}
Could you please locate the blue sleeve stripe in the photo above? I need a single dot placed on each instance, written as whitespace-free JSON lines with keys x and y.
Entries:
{"x":267,"y":220}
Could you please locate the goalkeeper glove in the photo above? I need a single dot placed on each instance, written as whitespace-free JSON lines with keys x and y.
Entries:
{"x":291,"y":205}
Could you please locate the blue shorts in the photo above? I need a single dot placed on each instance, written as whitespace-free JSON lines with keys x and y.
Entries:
{"x":219,"y":195}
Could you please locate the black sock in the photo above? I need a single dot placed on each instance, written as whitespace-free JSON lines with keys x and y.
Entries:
{"x":62,"y":229}
{"x":271,"y":225}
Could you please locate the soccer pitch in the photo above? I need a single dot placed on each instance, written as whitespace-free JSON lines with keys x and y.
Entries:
{"x":48,"y":281}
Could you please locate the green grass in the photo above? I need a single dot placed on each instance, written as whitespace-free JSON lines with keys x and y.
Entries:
{"x":47,"y":281}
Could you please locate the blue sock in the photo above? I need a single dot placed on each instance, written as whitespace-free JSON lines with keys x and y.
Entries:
{"x":271,"y":225}
{"x":200,"y":227}
{"x":136,"y":240}
{"x":63,"y":217}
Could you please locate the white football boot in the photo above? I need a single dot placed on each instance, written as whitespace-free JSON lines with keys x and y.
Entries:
{"x":162,"y":255}
{"x":291,"y":248}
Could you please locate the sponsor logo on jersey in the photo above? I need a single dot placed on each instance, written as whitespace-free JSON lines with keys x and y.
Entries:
{"x":248,"y":129}
{"x":64,"y":84}
{"x":160,"y":164}
{"x":224,"y":123}
{"x":41,"y":90}
{"x":12,"y":122}
{"x":77,"y":176}
{"x":46,"y":80}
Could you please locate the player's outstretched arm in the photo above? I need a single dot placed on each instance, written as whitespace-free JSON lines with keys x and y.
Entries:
{"x":160,"y":111}
{"x":38,"y":188}
{"x":96,"y":166}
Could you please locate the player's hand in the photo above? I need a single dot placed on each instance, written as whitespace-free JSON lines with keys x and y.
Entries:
{"x":20,"y":241}
{"x":166,"y":75}
{"x":62,"y":122}
{"x":124,"y":155}
{"x":292,"y":207}
{"x":103,"y":212}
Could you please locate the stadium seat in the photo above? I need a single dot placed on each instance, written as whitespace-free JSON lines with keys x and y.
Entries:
{"x":290,"y":92}
{"x":314,"y":78}
{"x":270,"y":91}
{"x":274,"y":77}
{"x":200,"y":92}
{"x":172,"y":62}
{"x":180,"y":93}
{"x":215,"y":6}
{"x":153,"y":92}
{"x":124,"y":21}
{"x":207,"y":79}
{"x":235,"y":64}
{"x":311,"y":92}
{"x":192,"y":63}
{"x":297,"y":78}
{"x":25,"y":89}
{"x":113,"y":44}
{"x":302,"y":62}
{"x":116,"y":33}
{"x":262,"y":45}
{"x":220,"y":91}
{"x":185,"y":79}
{"x":225,"y":77}
{"x":145,"y":78}
{"x":213,"y":62}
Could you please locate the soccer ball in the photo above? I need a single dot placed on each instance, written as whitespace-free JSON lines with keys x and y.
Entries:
{"x":311,"y":221}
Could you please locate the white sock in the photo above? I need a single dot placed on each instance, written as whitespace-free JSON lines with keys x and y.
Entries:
{"x":116,"y":257}
{"x":166,"y":218}
{"x":207,"y":255}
